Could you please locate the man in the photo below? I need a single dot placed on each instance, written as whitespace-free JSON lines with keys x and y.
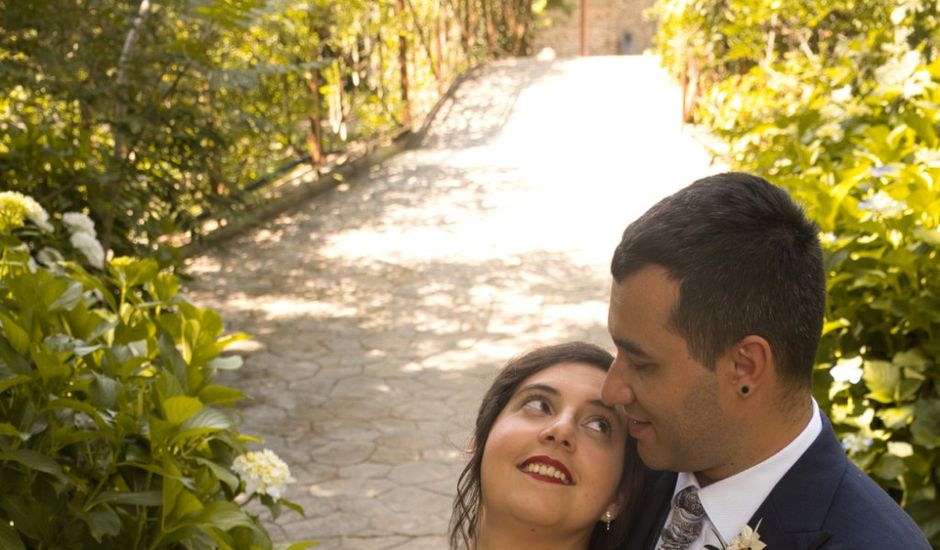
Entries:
{"x":716,"y":310}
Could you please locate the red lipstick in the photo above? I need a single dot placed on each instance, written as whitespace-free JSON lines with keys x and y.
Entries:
{"x":547,"y":461}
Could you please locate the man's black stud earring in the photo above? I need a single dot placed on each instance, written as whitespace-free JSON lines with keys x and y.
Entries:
{"x":745,"y":390}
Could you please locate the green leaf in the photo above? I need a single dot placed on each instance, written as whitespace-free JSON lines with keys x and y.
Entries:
{"x":912,"y":358}
{"x":8,"y":429}
{"x":9,"y":539}
{"x":104,"y":391}
{"x":888,"y":467}
{"x":830,"y":326}
{"x":138,"y":498}
{"x":131,"y":272}
{"x":896,"y":418}
{"x":175,"y":362}
{"x":221,"y":473}
{"x":293,"y":506}
{"x":929,"y":236}
{"x":209,"y":417}
{"x":17,"y":337}
{"x":883,"y":380}
{"x":50,"y":366}
{"x":206,"y":421}
{"x":231,"y":362}
{"x":69,"y":298}
{"x":908,"y":389}
{"x":222,"y":515}
{"x":927,"y":515}
{"x":65,"y":403}
{"x":101,"y":522}
{"x":901,"y":449}
{"x":35,"y":461}
{"x":180,"y":408}
{"x":926,"y":425}
{"x":165,"y":287}
{"x":221,"y":395}
{"x":229,"y":339}
{"x":8,"y":383}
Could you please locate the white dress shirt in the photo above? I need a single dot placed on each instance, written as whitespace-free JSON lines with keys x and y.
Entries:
{"x":731,"y":502}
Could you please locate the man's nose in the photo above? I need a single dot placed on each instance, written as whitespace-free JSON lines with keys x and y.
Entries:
{"x":616,"y":389}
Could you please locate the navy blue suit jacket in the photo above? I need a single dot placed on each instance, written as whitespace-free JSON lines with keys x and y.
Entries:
{"x":824,"y":502}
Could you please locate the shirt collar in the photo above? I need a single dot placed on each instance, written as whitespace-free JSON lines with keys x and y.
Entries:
{"x":731,"y":502}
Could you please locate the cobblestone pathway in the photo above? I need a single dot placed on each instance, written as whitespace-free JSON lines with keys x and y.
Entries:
{"x":382,"y":309}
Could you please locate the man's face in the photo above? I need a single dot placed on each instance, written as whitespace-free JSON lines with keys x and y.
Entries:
{"x":670,"y":399}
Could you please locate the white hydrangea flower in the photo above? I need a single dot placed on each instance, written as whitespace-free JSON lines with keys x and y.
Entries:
{"x":882,"y":203}
{"x":15,"y":206}
{"x":848,"y":370}
{"x":928,"y":157}
{"x":76,"y":222}
{"x":827,"y":237}
{"x":902,"y":74}
{"x":263,"y":472}
{"x":898,"y":14}
{"x":37,"y":214}
{"x":843,"y":94}
{"x":90,"y":247}
{"x":856,"y":443}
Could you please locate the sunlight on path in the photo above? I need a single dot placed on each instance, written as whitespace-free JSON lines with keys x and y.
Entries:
{"x":381,"y":312}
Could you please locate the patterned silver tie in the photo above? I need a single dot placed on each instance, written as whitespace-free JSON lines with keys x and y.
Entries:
{"x":686,"y":521}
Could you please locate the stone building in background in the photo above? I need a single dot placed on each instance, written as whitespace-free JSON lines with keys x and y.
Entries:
{"x":613,"y":27}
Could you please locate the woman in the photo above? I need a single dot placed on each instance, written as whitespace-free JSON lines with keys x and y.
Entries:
{"x":551,"y":465}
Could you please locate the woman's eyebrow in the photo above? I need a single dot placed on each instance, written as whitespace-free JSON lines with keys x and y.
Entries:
{"x":541,"y":387}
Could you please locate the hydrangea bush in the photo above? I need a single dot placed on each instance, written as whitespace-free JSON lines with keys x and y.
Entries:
{"x":113,"y":433}
{"x":841,"y":106}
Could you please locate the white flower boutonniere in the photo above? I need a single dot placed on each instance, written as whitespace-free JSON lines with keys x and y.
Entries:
{"x":747,"y":539}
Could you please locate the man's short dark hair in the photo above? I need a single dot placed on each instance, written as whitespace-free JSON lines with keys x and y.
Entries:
{"x":747,"y":261}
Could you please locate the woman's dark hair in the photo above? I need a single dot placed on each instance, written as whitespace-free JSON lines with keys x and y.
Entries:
{"x":466,"y":513}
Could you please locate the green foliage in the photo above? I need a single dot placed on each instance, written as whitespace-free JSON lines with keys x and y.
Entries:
{"x":113,"y":433}
{"x":838,"y":102}
{"x":149,"y":114}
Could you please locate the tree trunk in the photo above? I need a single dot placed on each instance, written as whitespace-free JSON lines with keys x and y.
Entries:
{"x":315,"y":135}
{"x":403,"y":64}
{"x":120,"y":153}
{"x":490,"y":29}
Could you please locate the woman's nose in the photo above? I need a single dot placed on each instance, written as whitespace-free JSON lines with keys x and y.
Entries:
{"x":616,"y":389}
{"x":560,"y":432}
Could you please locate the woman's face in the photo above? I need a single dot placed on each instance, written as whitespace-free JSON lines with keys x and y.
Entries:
{"x":555,"y":453}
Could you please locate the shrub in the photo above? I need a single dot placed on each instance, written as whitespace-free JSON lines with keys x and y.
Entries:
{"x":845,"y":117}
{"x":112,"y":432}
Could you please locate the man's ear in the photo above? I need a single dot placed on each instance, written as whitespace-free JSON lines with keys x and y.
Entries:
{"x":753,"y":364}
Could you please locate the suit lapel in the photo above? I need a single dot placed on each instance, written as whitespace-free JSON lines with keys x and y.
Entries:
{"x":792,"y":516}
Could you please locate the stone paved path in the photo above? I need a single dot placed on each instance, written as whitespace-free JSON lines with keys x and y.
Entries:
{"x":382,"y":310}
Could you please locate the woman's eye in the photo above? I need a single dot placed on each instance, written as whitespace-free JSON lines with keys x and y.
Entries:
{"x":601,"y":425}
{"x":537,"y":403}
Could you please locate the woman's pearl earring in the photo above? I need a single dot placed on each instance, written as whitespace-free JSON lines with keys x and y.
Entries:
{"x":608,"y":517}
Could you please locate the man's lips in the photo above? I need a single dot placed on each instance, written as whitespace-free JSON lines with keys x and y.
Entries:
{"x":636,"y":426}
{"x":548,"y":469}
